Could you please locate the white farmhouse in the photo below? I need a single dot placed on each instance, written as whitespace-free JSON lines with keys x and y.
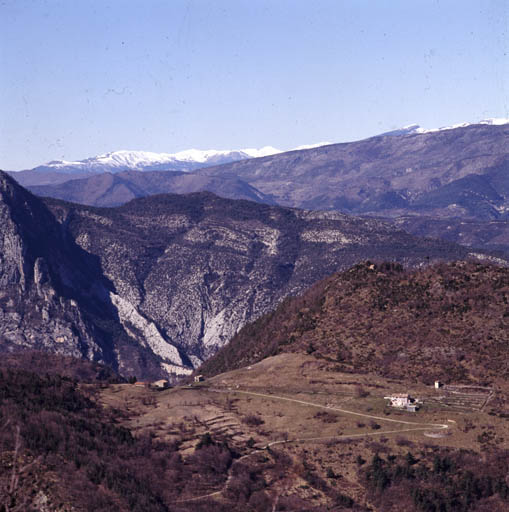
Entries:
{"x":399,"y":399}
{"x":404,"y":401}
{"x":160,"y":384}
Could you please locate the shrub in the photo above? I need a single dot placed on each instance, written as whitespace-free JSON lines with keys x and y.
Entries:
{"x":252,"y":420}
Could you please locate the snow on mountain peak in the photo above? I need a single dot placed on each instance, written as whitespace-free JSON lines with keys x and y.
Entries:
{"x":192,"y":159}
{"x":311,"y":146}
{"x":203,"y":156}
{"x":265,"y":151}
{"x":412,"y":129}
{"x":495,"y":121}
{"x":124,"y":160}
{"x":187,"y":160}
{"x":131,"y":158}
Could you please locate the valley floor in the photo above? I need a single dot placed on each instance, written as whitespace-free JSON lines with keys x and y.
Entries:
{"x":312,"y":434}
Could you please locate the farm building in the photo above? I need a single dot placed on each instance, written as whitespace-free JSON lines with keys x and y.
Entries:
{"x":160,"y":384}
{"x":399,"y":399}
{"x":403,"y":401}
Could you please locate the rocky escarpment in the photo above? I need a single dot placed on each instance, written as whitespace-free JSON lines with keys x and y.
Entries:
{"x":53,"y":295}
{"x":199,"y":267}
{"x":160,"y":284}
{"x":32,"y":267}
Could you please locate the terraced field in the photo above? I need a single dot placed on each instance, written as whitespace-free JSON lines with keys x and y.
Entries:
{"x":465,"y":398}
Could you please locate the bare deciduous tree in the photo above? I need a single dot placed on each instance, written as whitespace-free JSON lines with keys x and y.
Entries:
{"x":12,"y":501}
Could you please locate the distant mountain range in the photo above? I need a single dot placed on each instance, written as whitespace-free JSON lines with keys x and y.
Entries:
{"x":457,"y":172}
{"x":451,"y":182}
{"x":158,"y":285}
{"x":191,"y":159}
{"x":109,"y":189}
{"x":59,"y":171}
{"x":415,"y":128}
{"x":118,"y":161}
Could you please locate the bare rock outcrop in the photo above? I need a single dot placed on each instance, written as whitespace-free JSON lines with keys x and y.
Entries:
{"x":159,"y":285}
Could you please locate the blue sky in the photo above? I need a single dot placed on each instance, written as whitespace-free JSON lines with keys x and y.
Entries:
{"x":84,"y":77}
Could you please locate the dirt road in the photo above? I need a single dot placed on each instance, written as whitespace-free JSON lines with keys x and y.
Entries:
{"x":415,"y":426}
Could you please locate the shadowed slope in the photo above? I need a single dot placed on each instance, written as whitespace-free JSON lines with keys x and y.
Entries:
{"x":115,"y":189}
{"x":53,"y":294}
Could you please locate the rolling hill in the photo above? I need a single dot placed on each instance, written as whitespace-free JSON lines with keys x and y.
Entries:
{"x":447,"y":322}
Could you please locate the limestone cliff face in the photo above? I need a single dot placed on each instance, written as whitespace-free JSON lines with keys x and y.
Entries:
{"x":190,"y":271}
{"x":53,"y":295}
{"x":32,"y":312}
{"x":158,"y":285}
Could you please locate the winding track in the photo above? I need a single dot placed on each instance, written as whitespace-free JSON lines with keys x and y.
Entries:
{"x":345,"y":411}
{"x":422,"y":426}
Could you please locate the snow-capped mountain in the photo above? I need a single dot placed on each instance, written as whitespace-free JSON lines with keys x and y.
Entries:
{"x":412,"y":129}
{"x":191,"y":159}
{"x":188,"y":160}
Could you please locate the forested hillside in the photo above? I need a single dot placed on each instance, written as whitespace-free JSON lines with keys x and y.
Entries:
{"x":448,"y":321}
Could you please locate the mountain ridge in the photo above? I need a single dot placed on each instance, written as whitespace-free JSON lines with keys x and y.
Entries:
{"x":107,"y":189}
{"x":445,"y":322}
{"x":457,"y":172}
{"x":129,"y":160}
{"x":415,"y":128}
{"x":380,"y":175}
{"x":162,"y":282}
{"x":126,"y":160}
